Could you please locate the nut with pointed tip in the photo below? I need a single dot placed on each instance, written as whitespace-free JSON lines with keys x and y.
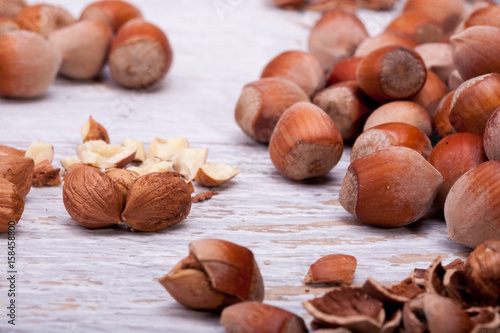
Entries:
{"x":262,"y":318}
{"x":140,"y":154}
{"x":391,"y":72}
{"x":83,"y":46}
{"x":400,"y":112}
{"x":336,"y":36}
{"x":11,"y":8}
{"x":215,"y":174}
{"x":166,"y":149}
{"x":123,"y":178}
{"x":9,"y":24}
{"x":92,"y":130}
{"x":115,"y":13}
{"x":389,"y":135}
{"x":455,"y":80}
{"x":305,"y":143}
{"x":40,"y":151}
{"x":300,"y":67}
{"x":28,"y":64}
{"x":437,"y":58}
{"x":332,"y":269}
{"x":91,"y":197}
{"x":441,"y":120}
{"x":103,"y":155}
{"x":6,"y":150}
{"x":447,"y":12}
{"x":474,"y":102}
{"x":387,"y":38}
{"x":262,"y":103}
{"x":17,"y":170}
{"x":418,"y":25}
{"x":492,"y":136}
{"x":216,"y":274}
{"x":391,"y":187}
{"x":484,"y":16}
{"x":431,"y":93}
{"x":11,"y":205}
{"x":189,"y":160}
{"x":344,"y":70}
{"x":140,"y":55}
{"x":472,"y":207}
{"x":45,"y":18}
{"x":44,"y":174}
{"x":152,"y":164}
{"x":453,"y":156}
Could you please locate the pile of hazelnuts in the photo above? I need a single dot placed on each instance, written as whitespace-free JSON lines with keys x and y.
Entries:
{"x":419,"y":104}
{"x":39,"y":42}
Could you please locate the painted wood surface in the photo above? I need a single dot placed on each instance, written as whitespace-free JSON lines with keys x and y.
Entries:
{"x":72,"y":279}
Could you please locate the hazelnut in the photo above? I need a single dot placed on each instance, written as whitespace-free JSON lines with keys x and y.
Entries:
{"x":332,"y":269}
{"x":453,"y":156}
{"x":441,"y":120}
{"x":40,"y":151}
{"x":390,"y":187}
{"x":344,"y":70}
{"x":471,"y":210}
{"x":397,"y":294}
{"x":153,"y":164}
{"x":215,"y":174}
{"x":156,"y":201}
{"x":123,"y":178}
{"x":140,"y":154}
{"x":189,"y":160}
{"x":387,"y":38}
{"x":286,"y":3}
{"x":389,"y":135}
{"x":11,"y":205}
{"x":166,"y":150}
{"x":45,"y":18}
{"x":9,"y":24}
{"x":484,"y":16}
{"x":455,"y":80}
{"x":140,"y":55}
{"x":336,"y":36}
{"x":216,"y":274}
{"x":262,"y":103}
{"x":92,"y":130}
{"x":102,"y":155}
{"x":69,"y":161}
{"x":400,"y":112}
{"x":300,"y":67}
{"x":447,"y":12}
{"x":305,"y":143}
{"x":17,"y":170}
{"x":44,"y":174}
{"x":418,"y":25}
{"x":114,"y":12}
{"x":492,"y":136}
{"x":29,"y":64}
{"x":83,"y":46}
{"x":431,"y":93}
{"x":10,"y":8}
{"x":391,"y":72}
{"x":91,"y":197}
{"x":6,"y":150}
{"x":259,"y":317}
{"x":437,"y":58}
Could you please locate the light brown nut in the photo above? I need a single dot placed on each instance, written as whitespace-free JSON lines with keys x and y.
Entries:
{"x":44,"y":174}
{"x":11,"y":205}
{"x":17,"y":170}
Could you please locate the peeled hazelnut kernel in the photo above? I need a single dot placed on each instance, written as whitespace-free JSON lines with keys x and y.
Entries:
{"x":474,"y":102}
{"x":387,"y":38}
{"x":166,"y":150}
{"x":215,"y":174}
{"x":28,"y":64}
{"x":453,"y":156}
{"x":431,"y":93}
{"x":241,"y":317}
{"x":123,"y":178}
{"x":475,"y":51}
{"x":447,"y":12}
{"x":69,"y":161}
{"x":189,"y":160}
{"x":40,"y":151}
{"x":216,"y":274}
{"x":347,"y":105}
{"x":420,"y":26}
{"x":391,"y":72}
{"x":140,"y":55}
{"x":492,"y":136}
{"x":332,"y":269}
{"x":153,"y":164}
{"x":6,"y":150}
{"x":11,"y":205}
{"x":45,"y":18}
{"x":262,"y":103}
{"x":391,"y":187}
{"x":300,"y":67}
{"x":92,"y":130}
{"x":482,"y":272}
{"x":401,"y":112}
{"x":44,"y":174}
{"x":115,"y":13}
{"x":140,"y":154}
{"x":9,"y":24}
{"x":156,"y":201}
{"x":102,"y":155}
{"x":484,"y":16}
{"x":335,"y":37}
{"x":91,"y":197}
{"x":305,"y":143}
{"x":472,"y":207}
{"x":344,"y":70}
{"x":437,"y":58}
{"x":389,"y":135}
{"x":10,"y":8}
{"x":17,"y":170}
{"x":441,"y":120}
{"x":83,"y":46}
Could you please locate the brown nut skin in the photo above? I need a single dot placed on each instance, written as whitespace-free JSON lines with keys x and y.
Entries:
{"x":441,"y":121}
{"x":28,"y":64}
{"x":11,"y":205}
{"x":140,"y":55}
{"x":262,"y":103}
{"x":9,"y":24}
{"x":420,"y":26}
{"x":446,"y":12}
{"x":391,"y":187}
{"x":388,"y":135}
{"x":391,"y":72}
{"x":437,"y":58}
{"x":472,"y":207}
{"x":257,"y":317}
{"x":44,"y":174}
{"x":156,"y":201}
{"x":473,"y":103}
{"x":114,"y":12}
{"x":10,"y":8}
{"x":12,"y":151}
{"x":431,"y":93}
{"x":484,"y":16}
{"x":305,"y":143}
{"x":19,"y":171}
{"x":94,"y":131}
{"x":387,"y":38}
{"x":45,"y":18}
{"x":492,"y":136}
{"x":344,"y":70}
{"x":336,"y":36}
{"x":124,"y":178}
{"x":453,"y":156}
{"x":217,"y":273}
{"x":303,"y":68}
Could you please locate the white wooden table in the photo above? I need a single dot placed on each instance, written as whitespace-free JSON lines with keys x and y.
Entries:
{"x":72,"y":279}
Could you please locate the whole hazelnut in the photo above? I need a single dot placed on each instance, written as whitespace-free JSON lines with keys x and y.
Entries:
{"x":11,"y":205}
{"x":386,"y":38}
{"x":45,"y":18}
{"x":344,"y":70}
{"x":487,"y":15}
{"x":441,"y":120}
{"x":492,"y":136}
{"x":420,"y":26}
{"x":431,"y":93}
{"x":113,"y":12}
{"x":10,"y":8}
{"x":19,"y":171}
{"x":447,"y":12}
